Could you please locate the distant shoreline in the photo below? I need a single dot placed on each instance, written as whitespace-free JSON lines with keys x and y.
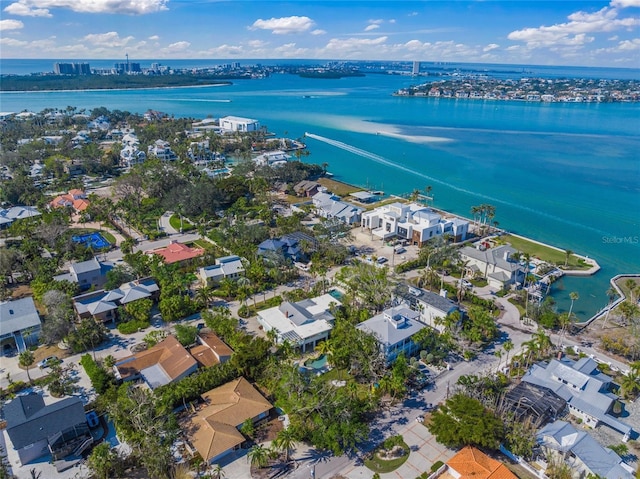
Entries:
{"x":115,"y":89}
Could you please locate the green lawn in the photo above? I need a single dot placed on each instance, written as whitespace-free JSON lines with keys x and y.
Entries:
{"x":545,"y":253}
{"x":174,"y":221}
{"x":337,"y":187}
{"x":109,"y":237}
{"x":382,"y":466}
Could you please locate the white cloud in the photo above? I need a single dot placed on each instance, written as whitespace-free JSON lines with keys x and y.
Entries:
{"x":625,"y":3}
{"x":377,"y":21}
{"x":10,"y":25}
{"x":108,"y":40}
{"x":257,"y":44}
{"x":627,"y":45}
{"x":351,"y":47}
{"x":318,"y":31}
{"x":289,"y":50}
{"x":392,"y":20}
{"x":413,"y":14}
{"x":12,"y":42}
{"x":373,"y":26}
{"x":613,"y":38}
{"x":284,"y":25}
{"x":41,"y":8}
{"x":491,"y":46}
{"x":154,"y":38}
{"x":176,"y":47}
{"x":574,"y":31}
{"x":21,"y":9}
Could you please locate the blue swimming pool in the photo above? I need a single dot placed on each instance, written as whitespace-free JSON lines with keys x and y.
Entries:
{"x":93,"y":240}
{"x":336,"y":294}
{"x":318,"y":363}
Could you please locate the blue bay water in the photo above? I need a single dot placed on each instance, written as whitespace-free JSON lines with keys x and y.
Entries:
{"x":565,"y":174}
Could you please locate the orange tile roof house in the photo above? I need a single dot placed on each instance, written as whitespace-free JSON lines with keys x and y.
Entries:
{"x":213,"y":430}
{"x":166,"y":362}
{"x":472,"y":463}
{"x":177,"y":252}
{"x":77,"y":199}
{"x":211,"y":350}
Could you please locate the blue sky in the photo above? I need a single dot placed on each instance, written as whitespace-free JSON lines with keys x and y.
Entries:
{"x":587,"y":33}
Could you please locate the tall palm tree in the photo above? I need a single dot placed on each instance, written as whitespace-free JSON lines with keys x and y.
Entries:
{"x":428,"y":191}
{"x":611,"y":294}
{"x":285,"y":442}
{"x":508,"y":346}
{"x":574,"y":296}
{"x":567,"y":255}
{"x":258,"y":456}
{"x":26,"y":360}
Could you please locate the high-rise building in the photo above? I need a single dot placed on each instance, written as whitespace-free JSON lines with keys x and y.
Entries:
{"x":416,"y":68}
{"x":72,"y":69}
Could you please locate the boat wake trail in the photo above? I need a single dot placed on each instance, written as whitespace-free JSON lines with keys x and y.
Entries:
{"x":379,"y":159}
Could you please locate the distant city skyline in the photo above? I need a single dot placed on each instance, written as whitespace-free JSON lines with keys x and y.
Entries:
{"x":579,"y":33}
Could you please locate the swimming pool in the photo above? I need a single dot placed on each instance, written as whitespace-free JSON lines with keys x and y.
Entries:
{"x":336,"y":294}
{"x":93,"y":240}
{"x":318,"y":363}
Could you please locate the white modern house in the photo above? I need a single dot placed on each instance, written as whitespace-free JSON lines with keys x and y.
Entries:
{"x":393,"y":329}
{"x":304,"y":324}
{"x":161,"y":149}
{"x":272,"y":158}
{"x":19,"y":323}
{"x":586,"y":390}
{"x":498,"y":265}
{"x":229,"y":267}
{"x":235,"y":123}
{"x":415,"y":223}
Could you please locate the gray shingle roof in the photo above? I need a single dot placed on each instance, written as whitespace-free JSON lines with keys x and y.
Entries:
{"x":18,"y":315}
{"x":393,"y":325}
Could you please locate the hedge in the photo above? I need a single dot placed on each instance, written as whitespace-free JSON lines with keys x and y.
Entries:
{"x":101,"y":380}
{"x":130,"y":327}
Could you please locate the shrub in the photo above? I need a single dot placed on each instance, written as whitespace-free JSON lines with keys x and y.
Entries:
{"x":101,"y":380}
{"x":131,"y":327}
{"x":436,"y":465}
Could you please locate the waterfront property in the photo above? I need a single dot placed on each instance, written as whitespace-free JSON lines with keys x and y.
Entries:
{"x":226,"y":267}
{"x":330,"y":206}
{"x":214,"y":429}
{"x":36,"y":430}
{"x":581,"y":452}
{"x":231,"y":124}
{"x":415,"y":223}
{"x":19,"y":324}
{"x":497,"y":265}
{"x":304,"y":324}
{"x":166,"y":362}
{"x":586,"y":390}
{"x":393,"y":329}
{"x":272,"y":158}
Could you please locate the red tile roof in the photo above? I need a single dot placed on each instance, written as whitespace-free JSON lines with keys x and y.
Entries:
{"x":177,"y":252}
{"x":471,"y":463}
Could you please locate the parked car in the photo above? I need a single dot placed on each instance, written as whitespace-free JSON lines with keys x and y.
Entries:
{"x":381,"y":260}
{"x":49,"y":361}
{"x":400,"y":250}
{"x":466,"y":284}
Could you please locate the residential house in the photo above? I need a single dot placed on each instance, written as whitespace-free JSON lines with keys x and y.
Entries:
{"x":287,"y":247}
{"x":498,"y":265}
{"x":364,"y":197}
{"x":306,"y":188}
{"x":412,"y":222}
{"x":304,"y":324}
{"x":130,"y":138}
{"x":19,"y":323}
{"x":103,"y":305}
{"x":100,"y":123}
{"x":230,"y":124}
{"x":161,"y":149}
{"x":394,"y":329}
{"x":431,"y":306}
{"x":586,"y":390}
{"x":36,"y":430}
{"x":472,"y":463}
{"x":537,"y":404}
{"x":130,"y":155}
{"x":226,"y":267}
{"x":15,"y":213}
{"x":272,"y":158}
{"x":582,"y":453}
{"x":330,"y":206}
{"x":177,"y":252}
{"x":88,"y":274}
{"x":211,"y":350}
{"x":166,"y":362}
{"x":76,"y":199}
{"x":214,"y":429}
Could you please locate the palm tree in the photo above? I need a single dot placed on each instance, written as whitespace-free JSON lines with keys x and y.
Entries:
{"x":611,"y":294}
{"x":258,"y":456}
{"x":498,"y":354}
{"x":26,"y":360}
{"x":414,"y":195}
{"x":285,"y":442}
{"x":567,"y":255}
{"x":508,"y":346}
{"x":428,"y":191}
{"x":574,"y":297}
{"x":630,"y":384}
{"x":217,"y":471}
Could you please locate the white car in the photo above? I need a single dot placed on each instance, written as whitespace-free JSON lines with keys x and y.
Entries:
{"x":466,"y":284}
{"x":48,"y":361}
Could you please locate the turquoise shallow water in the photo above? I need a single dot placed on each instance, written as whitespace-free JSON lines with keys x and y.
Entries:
{"x":566,"y":174}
